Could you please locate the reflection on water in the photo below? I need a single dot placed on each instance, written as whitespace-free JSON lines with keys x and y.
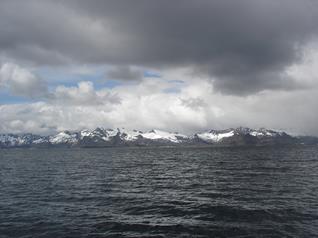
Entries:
{"x":159,"y":192}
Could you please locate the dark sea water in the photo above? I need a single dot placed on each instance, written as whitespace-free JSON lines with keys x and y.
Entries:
{"x":159,"y":192}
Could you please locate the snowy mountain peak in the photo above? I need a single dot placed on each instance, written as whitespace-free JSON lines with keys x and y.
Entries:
{"x":219,"y":135}
{"x":122,"y":137}
{"x":163,"y":135}
{"x":64,"y":137}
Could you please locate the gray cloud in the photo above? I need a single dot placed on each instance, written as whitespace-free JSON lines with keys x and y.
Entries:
{"x":124,"y":73}
{"x":244,"y":46}
{"x":193,"y":103}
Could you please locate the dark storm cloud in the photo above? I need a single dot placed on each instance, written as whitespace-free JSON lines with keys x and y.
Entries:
{"x":125,"y":73}
{"x":244,"y":46}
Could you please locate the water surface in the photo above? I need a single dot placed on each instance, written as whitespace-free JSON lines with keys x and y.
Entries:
{"x":159,"y":192}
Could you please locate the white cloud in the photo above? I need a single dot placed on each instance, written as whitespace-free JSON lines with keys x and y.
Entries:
{"x":153,"y":108}
{"x":21,"y":82}
{"x":84,"y":94}
{"x":144,"y":105}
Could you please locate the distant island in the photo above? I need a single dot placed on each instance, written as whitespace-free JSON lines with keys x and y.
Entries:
{"x":101,"y":137}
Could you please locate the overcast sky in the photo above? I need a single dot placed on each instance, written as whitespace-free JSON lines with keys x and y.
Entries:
{"x":182,"y":66}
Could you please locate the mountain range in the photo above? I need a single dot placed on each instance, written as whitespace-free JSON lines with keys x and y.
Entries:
{"x":101,"y":137}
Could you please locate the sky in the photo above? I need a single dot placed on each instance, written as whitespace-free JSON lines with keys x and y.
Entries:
{"x":182,"y":65}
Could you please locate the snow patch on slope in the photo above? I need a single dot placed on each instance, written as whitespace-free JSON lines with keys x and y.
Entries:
{"x":163,"y":135}
{"x":215,"y":136}
{"x":130,"y":135}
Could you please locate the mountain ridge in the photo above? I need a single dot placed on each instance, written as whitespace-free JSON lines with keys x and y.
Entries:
{"x":101,"y":137}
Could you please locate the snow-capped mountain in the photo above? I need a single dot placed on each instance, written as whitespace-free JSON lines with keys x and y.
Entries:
{"x":11,"y":140}
{"x":217,"y":136}
{"x":64,"y":137}
{"x":166,"y":136}
{"x":101,"y":137}
{"x":123,"y":136}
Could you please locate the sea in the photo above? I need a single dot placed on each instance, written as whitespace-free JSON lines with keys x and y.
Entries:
{"x":159,"y":192}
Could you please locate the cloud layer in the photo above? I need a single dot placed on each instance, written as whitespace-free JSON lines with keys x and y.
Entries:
{"x":221,"y":63}
{"x":244,"y":46}
{"x":147,"y":105}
